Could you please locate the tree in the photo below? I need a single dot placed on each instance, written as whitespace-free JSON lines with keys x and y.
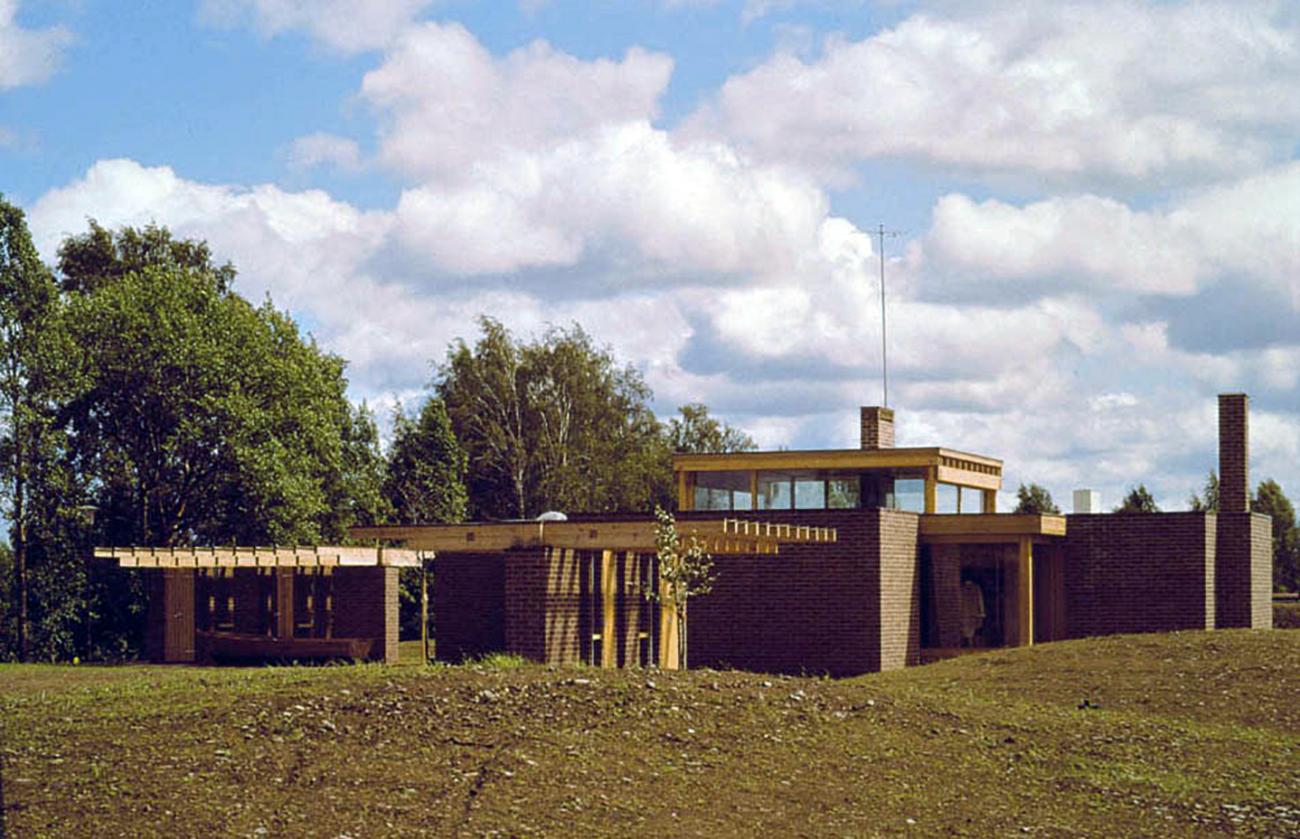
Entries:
{"x":1208,"y":499}
{"x":425,"y":483}
{"x":685,"y":571}
{"x":1270,"y":500}
{"x":1035,"y":500}
{"x":100,"y":256}
{"x":1138,"y":500}
{"x":28,"y":322}
{"x":695,"y":432}
{"x":551,"y":424}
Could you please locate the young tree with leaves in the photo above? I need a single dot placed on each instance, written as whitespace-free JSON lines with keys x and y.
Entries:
{"x":685,"y":572}
{"x":29,"y":305}
{"x":425,"y":483}
{"x":1035,"y":500}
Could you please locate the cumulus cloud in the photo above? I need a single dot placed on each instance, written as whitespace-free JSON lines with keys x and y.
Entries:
{"x":349,"y":26}
{"x":1248,"y":230}
{"x":28,"y":56}
{"x":449,"y":104}
{"x":1070,"y":90}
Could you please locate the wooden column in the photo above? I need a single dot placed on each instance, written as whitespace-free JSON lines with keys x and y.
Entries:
{"x":1025,"y":593}
{"x":684,"y":499}
{"x":753,"y":489}
{"x":931,"y":489}
{"x":990,"y":501}
{"x":608,"y":609}
{"x":667,"y":631}
{"x":284,"y":602}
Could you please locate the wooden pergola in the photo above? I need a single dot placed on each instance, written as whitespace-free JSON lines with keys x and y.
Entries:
{"x":717,"y":536}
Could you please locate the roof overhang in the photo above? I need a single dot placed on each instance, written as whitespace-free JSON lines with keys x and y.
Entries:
{"x":951,"y":466}
{"x":960,"y":528}
{"x":718,"y":536}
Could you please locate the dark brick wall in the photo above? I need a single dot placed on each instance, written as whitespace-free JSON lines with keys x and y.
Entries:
{"x":365,"y":606}
{"x":468,"y":600}
{"x":814,"y":608}
{"x":1139,"y":573}
{"x":900,"y":590}
{"x":543,"y":604}
{"x":1234,"y":453}
{"x":1244,"y":573}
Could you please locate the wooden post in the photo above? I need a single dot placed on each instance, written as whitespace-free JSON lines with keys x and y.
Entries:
{"x":1025,"y":593}
{"x":424,"y":608}
{"x":990,"y":501}
{"x":284,"y":603}
{"x":608,"y":596}
{"x":753,"y":489}
{"x":931,"y":489}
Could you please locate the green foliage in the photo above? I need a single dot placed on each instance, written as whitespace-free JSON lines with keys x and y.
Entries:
{"x":100,"y":257}
{"x":425,"y":483}
{"x":695,"y":432}
{"x":30,"y":380}
{"x":1035,"y":500}
{"x":1271,"y":500}
{"x":1138,"y":500}
{"x":1208,"y":499}
{"x":685,"y":571}
{"x":554,"y":424}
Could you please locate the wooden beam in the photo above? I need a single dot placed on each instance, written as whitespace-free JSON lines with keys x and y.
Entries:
{"x":608,"y":602}
{"x":988,"y":524}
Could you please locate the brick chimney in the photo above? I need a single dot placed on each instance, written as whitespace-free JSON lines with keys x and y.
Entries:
{"x":1234,"y":453}
{"x":877,"y":428}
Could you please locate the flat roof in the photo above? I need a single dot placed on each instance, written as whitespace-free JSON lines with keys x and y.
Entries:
{"x":953,"y":466}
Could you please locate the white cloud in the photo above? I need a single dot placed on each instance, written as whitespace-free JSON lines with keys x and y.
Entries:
{"x":1112,"y":90}
{"x":629,"y":188}
{"x":349,"y":26}
{"x":449,"y":104}
{"x":28,"y":56}
{"x":321,"y":149}
{"x":1248,"y":230}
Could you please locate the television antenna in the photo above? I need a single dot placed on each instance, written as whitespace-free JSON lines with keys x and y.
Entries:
{"x":881,"y":233}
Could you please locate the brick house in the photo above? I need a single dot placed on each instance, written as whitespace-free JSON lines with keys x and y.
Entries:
{"x":830,"y":561}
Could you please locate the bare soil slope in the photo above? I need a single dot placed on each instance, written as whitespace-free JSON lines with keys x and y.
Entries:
{"x":1134,"y":735}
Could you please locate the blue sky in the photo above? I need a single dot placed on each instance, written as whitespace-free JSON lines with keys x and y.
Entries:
{"x":1098,"y":202}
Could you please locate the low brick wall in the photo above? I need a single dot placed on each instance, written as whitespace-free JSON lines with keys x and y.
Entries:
{"x":543,"y":604}
{"x":815,"y":608}
{"x":1139,"y":572}
{"x":365,"y":606}
{"x":1244,"y":573}
{"x":468,"y":600}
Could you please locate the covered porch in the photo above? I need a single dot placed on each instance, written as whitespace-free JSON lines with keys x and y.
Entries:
{"x":990,"y":581}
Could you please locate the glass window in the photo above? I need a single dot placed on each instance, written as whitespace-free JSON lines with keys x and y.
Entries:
{"x":972,"y":500}
{"x":810,"y":494}
{"x":722,"y":490}
{"x":877,"y":489}
{"x":844,"y":493}
{"x":775,"y":491}
{"x":945,"y":498}
{"x":909,"y":494}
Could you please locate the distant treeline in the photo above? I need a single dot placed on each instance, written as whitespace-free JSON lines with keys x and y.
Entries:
{"x":144,"y":402}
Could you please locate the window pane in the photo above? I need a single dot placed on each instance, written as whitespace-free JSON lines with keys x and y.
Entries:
{"x":972,"y":500}
{"x":909,"y":494}
{"x":717,"y":490}
{"x":945,"y":498}
{"x":810,"y":494}
{"x":774,"y":491}
{"x":843,"y":493}
{"x":877,"y":489}
{"x":707,"y":498}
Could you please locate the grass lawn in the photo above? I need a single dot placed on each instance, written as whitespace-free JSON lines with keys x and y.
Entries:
{"x":1190,"y":733}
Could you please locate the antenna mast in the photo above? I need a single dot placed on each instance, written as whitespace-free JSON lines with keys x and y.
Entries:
{"x":881,"y":233}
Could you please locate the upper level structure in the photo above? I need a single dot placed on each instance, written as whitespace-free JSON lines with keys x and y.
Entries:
{"x":921,"y":480}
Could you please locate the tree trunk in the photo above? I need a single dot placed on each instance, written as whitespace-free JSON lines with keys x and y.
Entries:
{"x":20,"y":552}
{"x":681,"y":634}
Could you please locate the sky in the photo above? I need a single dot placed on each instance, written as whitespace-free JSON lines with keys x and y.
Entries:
{"x":1092,"y":209}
